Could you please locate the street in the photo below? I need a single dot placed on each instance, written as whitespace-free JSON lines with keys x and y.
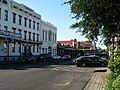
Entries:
{"x":55,"y":75}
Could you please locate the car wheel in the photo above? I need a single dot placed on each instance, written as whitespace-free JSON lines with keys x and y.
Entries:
{"x":83,"y":64}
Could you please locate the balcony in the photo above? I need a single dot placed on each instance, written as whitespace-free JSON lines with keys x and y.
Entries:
{"x":8,"y":34}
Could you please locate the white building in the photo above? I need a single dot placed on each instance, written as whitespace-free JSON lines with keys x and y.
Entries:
{"x":21,"y":30}
{"x":49,"y":33}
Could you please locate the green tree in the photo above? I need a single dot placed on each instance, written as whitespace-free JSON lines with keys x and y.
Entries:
{"x":96,"y":18}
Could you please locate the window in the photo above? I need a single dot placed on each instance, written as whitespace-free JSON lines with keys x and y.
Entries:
{"x":6,"y":15}
{"x":4,"y":1}
{"x":49,"y":36}
{"x":20,"y":19}
{"x":14,"y":17}
{"x":37,"y":48}
{"x":43,"y":34}
{"x":33,"y":36}
{"x":33,"y":48}
{"x":37,"y":26}
{"x":55,"y":38}
{"x":46,"y":35}
{"x":13,"y":47}
{"x":33,"y":24}
{"x":14,"y":29}
{"x":25,"y":21}
{"x":37,"y":37}
{"x":29,"y":35}
{"x":20,"y":31}
{"x":5,"y":46}
{"x":29,"y":23}
{"x":19,"y":47}
{"x":5,"y":28}
{"x":0,"y":13}
{"x":25,"y":34}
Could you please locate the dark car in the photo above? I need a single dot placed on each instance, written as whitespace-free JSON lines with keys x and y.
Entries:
{"x":66,"y":57}
{"x":91,"y":60}
{"x":56,"y":57}
{"x":44,"y":57}
{"x":26,"y":57}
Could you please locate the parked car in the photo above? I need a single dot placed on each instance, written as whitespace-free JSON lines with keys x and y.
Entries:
{"x":44,"y":57}
{"x":66,"y":57}
{"x":56,"y":57}
{"x":26,"y":57}
{"x":91,"y":60}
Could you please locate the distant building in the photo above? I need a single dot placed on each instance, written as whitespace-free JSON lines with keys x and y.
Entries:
{"x":77,"y":46}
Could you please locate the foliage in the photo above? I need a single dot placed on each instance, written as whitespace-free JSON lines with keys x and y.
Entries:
{"x":96,"y":18}
{"x":114,"y":76}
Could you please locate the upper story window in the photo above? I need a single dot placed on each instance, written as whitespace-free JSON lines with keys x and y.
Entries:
{"x":20,"y":30}
{"x":6,"y":15}
{"x":33,"y":24}
{"x":14,"y":29}
{"x":33,"y":36}
{"x":49,"y":35}
{"x":14,"y":17}
{"x":37,"y":37}
{"x":20,"y":19}
{"x":55,"y":38}
{"x":29,"y":23}
{"x":29,"y":35}
{"x":0,"y":13}
{"x":37,"y":26}
{"x":25,"y":21}
{"x":5,"y":28}
{"x":25,"y":35}
{"x":46,"y":35}
{"x":43,"y":34}
{"x":4,"y":1}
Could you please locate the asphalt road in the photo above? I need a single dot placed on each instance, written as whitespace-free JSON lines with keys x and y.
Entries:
{"x":52,"y":76}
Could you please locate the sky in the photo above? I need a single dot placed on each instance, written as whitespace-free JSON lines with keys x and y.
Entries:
{"x":57,"y":14}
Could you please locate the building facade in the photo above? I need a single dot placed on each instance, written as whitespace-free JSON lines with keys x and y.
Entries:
{"x":21,"y":30}
{"x":49,"y":38}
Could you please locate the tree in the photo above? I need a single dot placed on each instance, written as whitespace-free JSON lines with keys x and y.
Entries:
{"x":96,"y":18}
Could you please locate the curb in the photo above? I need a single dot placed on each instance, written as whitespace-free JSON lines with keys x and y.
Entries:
{"x":96,"y":82}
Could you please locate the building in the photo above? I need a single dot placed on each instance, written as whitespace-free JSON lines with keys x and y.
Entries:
{"x":71,"y":43}
{"x":21,"y":31}
{"x":73,"y":46}
{"x":49,"y":38}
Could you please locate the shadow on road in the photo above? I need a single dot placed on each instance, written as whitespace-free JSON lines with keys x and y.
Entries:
{"x":24,"y":66}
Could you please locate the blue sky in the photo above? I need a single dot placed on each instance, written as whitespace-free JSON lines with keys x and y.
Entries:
{"x":57,"y":14}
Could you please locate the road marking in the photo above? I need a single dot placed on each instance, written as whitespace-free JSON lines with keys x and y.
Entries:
{"x":64,"y":84}
{"x":54,"y":69}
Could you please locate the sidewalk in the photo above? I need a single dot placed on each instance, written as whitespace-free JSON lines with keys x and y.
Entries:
{"x":96,"y":82}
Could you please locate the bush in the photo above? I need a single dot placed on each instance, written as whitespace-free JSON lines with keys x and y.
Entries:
{"x":116,"y":84}
{"x":114,"y":77}
{"x":111,"y":79}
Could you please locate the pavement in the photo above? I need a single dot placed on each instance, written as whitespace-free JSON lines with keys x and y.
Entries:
{"x":97,"y":82}
{"x":55,"y":75}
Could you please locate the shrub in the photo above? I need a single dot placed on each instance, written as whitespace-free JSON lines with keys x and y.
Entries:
{"x":114,"y":77}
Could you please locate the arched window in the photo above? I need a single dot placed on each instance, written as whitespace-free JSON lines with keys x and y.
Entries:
{"x":4,"y":1}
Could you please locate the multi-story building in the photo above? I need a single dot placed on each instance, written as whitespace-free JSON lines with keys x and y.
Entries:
{"x":49,"y":37}
{"x":21,"y":30}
